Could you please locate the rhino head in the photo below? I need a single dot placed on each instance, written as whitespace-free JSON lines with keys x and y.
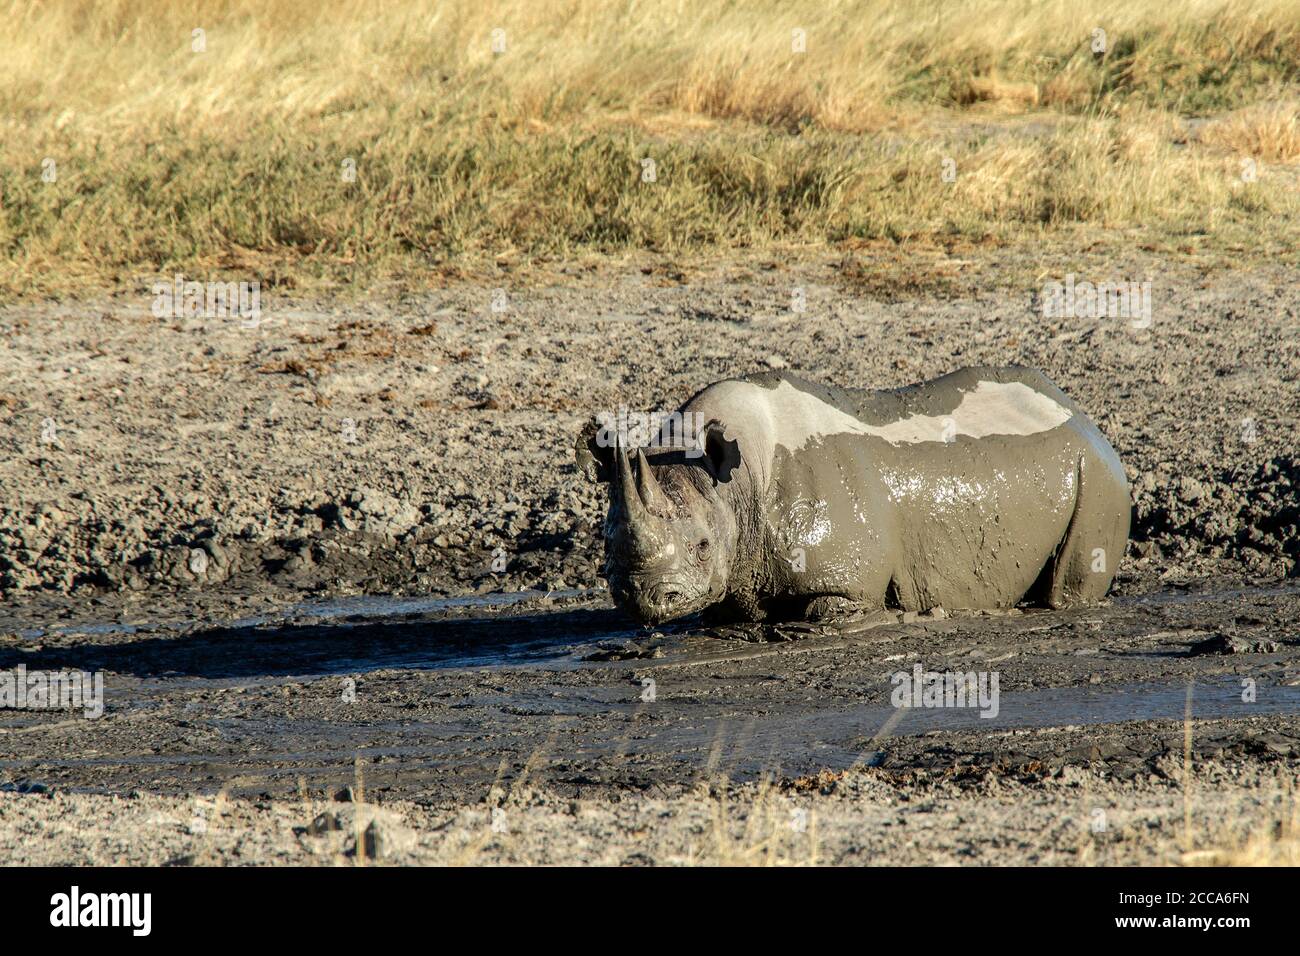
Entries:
{"x":670,"y":535}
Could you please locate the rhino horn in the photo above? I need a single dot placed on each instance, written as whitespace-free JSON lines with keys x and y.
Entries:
{"x":622,"y":486}
{"x":639,"y":531}
{"x":651,"y":494}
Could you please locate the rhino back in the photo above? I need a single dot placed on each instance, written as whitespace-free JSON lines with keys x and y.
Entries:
{"x":779,"y":411}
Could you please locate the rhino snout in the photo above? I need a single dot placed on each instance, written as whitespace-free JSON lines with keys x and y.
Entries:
{"x":653,"y":602}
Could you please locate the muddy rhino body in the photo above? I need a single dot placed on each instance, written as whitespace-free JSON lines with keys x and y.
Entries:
{"x":980,"y":489}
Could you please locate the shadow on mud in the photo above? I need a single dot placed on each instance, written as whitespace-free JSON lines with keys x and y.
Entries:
{"x":315,"y":649}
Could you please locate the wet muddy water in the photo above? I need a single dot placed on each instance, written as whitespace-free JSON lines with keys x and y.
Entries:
{"x":449,"y":698}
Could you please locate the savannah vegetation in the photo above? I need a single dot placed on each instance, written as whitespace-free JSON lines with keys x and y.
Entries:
{"x":345,"y":143}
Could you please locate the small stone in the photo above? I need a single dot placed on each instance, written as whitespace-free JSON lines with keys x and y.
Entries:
{"x":1230,"y":644}
{"x":324,"y":823}
{"x":375,"y":842}
{"x":386,"y":838}
{"x":910,"y":617}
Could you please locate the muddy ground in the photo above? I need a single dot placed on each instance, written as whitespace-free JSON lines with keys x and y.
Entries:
{"x":196,"y":507}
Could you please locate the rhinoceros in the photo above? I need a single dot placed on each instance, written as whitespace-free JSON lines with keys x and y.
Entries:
{"x":981,"y":489}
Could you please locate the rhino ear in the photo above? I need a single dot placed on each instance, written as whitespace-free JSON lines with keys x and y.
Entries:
{"x":594,"y":455}
{"x":721,"y":453}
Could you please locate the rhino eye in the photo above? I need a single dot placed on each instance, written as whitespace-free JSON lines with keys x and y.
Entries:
{"x":703,"y":547}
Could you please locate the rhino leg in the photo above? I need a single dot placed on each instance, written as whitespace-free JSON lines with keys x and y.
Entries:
{"x":1084,"y":563}
{"x":822,"y":608}
{"x":734,"y":609}
{"x":826,"y":607}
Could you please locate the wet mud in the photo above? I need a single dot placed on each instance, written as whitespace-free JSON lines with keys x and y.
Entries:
{"x":446,"y":703}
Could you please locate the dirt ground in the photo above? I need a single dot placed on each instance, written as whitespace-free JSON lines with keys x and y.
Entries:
{"x":196,"y":508}
{"x":860,"y":819}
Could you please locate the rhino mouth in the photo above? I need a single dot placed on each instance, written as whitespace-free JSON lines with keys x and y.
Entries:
{"x":657,"y":601}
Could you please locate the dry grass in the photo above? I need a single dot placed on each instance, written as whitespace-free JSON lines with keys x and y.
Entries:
{"x":1273,"y":839}
{"x":767,"y":831}
{"x":129,"y":63}
{"x":231,"y":160}
{"x":1269,"y":132}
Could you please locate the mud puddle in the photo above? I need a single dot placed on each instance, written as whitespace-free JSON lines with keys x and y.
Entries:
{"x":352,"y":635}
{"x":278,"y":755}
{"x":342,"y":610}
{"x":447,"y":699}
